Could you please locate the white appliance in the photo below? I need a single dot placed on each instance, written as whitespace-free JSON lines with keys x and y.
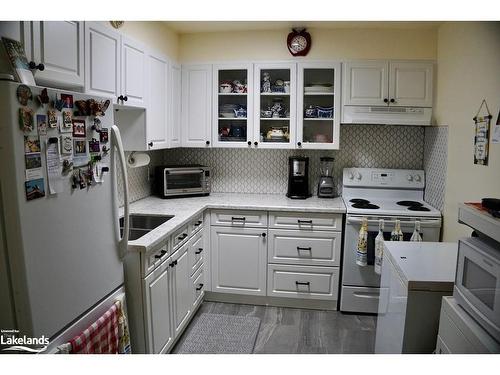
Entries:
{"x":415,"y":277}
{"x":375,"y":194}
{"x":477,"y":286}
{"x":386,"y":115}
{"x":59,"y":254}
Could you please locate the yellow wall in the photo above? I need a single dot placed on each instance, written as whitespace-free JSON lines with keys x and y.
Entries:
{"x":155,"y":34}
{"x":326,"y":44}
{"x":468,"y":71}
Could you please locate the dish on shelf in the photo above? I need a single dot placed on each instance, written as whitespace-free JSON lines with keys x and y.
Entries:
{"x":266,"y":113}
{"x":227,"y":115}
{"x":319,"y":87}
{"x":316,"y":111}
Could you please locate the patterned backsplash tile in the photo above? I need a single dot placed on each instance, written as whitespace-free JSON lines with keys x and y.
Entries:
{"x":435,"y":164}
{"x":266,"y":171}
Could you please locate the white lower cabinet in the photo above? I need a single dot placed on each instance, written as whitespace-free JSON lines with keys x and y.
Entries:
{"x":157,"y":308}
{"x":198,"y":287}
{"x":181,"y":289}
{"x":239,"y":258}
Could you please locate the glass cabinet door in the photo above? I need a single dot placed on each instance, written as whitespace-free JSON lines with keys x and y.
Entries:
{"x":233,"y":105}
{"x":318,"y":124}
{"x":275,"y":107}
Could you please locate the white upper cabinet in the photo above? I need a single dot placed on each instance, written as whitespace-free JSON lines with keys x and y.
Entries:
{"x":318,"y":105}
{"x":58,"y":45}
{"x":233,"y":105}
{"x":196,"y":105}
{"x":158,"y":103}
{"x":393,"y":83}
{"x":365,"y":82}
{"x":275,"y":105}
{"x":133,"y":73}
{"x":102,"y":60}
{"x":410,"y":83}
{"x":175,"y":86}
{"x":20,"y":31}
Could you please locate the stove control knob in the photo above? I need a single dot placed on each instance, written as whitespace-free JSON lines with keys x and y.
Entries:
{"x":409,"y":177}
{"x":418,"y":178}
{"x":358,"y":176}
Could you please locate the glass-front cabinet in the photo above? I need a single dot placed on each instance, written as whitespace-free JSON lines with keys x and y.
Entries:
{"x":318,"y":103}
{"x":275,"y":105}
{"x":233,"y":106}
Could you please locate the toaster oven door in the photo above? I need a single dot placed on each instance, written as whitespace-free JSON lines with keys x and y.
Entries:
{"x":184,"y":181}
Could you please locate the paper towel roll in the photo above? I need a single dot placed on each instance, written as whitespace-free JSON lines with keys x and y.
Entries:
{"x":138,"y":159}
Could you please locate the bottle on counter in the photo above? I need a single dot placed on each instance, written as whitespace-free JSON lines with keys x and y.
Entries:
{"x":379,"y":247}
{"x":397,"y":234}
{"x":362,"y":248}
{"x":416,"y":237}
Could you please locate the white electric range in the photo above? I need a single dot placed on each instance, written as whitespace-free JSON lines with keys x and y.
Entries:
{"x":376,"y":194}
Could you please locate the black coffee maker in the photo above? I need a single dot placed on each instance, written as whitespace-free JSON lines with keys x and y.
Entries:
{"x":298,"y":177}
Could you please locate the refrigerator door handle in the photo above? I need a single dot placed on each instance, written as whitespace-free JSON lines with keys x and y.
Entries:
{"x":123,"y":243}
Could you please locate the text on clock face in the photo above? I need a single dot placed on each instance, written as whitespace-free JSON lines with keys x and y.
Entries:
{"x":298,"y":43}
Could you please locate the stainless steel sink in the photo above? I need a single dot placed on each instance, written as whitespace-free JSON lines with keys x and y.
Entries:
{"x":141,"y":224}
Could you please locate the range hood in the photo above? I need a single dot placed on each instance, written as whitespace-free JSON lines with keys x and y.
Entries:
{"x":386,"y":115}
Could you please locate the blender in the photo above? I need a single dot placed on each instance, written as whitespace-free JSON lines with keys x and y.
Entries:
{"x":326,"y":187}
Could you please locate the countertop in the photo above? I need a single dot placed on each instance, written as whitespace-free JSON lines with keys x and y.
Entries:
{"x":185,"y":209}
{"x":424,"y":265}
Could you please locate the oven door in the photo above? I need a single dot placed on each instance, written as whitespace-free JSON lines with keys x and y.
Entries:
{"x":184,"y":181}
{"x":354,"y":275}
{"x":477,"y":285}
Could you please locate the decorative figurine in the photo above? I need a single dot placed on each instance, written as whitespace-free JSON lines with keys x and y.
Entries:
{"x":266,"y":82}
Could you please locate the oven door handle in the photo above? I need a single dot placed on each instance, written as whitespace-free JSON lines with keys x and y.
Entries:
{"x":428,"y":223}
{"x":190,"y":171}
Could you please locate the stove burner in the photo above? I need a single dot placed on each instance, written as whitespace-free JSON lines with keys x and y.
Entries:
{"x":409,"y":203}
{"x":359,"y":200}
{"x":367,"y":206}
{"x":418,"y":208}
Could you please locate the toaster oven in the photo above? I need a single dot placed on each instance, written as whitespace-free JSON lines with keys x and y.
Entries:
{"x":182,"y":180}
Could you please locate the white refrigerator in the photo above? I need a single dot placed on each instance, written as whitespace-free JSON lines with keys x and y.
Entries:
{"x":59,"y":253}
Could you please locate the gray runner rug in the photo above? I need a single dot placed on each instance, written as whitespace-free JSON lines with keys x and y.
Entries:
{"x":220,"y":334}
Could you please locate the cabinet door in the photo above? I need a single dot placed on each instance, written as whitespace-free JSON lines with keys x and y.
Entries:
{"x":134,"y":73}
{"x":102,"y":60}
{"x":410,"y":83}
{"x":365,"y":82}
{"x":20,"y":31}
{"x":157,"y":115}
{"x":239,"y":259}
{"x":181,"y":289}
{"x":158,"y":312}
{"x":233,"y":105}
{"x":275,"y":105}
{"x":175,"y":96}
{"x":59,"y":46}
{"x":196,"y":105}
{"x":318,"y":105}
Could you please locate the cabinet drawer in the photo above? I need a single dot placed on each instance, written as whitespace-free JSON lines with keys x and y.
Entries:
{"x":180,"y":236}
{"x":304,"y":247}
{"x":152,"y":259}
{"x":306,"y":221}
{"x":239,"y":218}
{"x":303,"y":282}
{"x":198,"y":289}
{"x":196,"y":224}
{"x":196,"y":251}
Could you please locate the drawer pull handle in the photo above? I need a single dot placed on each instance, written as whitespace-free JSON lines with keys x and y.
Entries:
{"x":173,"y":264}
{"x":200,"y":287}
{"x":304,"y":248}
{"x":199,"y":251}
{"x":304,"y":221}
{"x":182,"y":236}
{"x":198,"y":223}
{"x":162,"y":253}
{"x":303,"y":283}
{"x":238,"y":218}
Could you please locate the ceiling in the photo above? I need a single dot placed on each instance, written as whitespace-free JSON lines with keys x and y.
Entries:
{"x":187,"y":27}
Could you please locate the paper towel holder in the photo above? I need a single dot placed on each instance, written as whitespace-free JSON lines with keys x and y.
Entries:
{"x":134,"y":163}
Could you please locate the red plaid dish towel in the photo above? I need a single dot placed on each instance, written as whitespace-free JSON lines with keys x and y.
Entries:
{"x":101,"y":337}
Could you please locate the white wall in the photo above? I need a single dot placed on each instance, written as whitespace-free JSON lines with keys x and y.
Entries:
{"x":468,"y":58}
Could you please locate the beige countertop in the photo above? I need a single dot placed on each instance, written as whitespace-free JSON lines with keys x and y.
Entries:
{"x":186,"y":209}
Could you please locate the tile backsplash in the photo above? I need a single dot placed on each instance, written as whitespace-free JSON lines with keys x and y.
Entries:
{"x":435,"y":164}
{"x":266,"y":171}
